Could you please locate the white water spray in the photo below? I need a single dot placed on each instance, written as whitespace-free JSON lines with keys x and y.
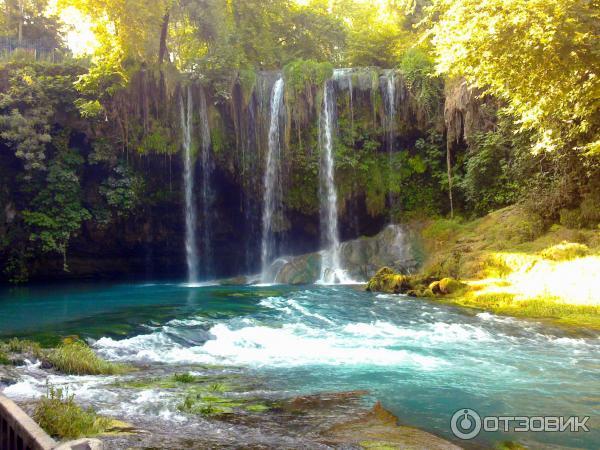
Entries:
{"x":272,"y":182}
{"x":191,"y":218}
{"x":331,"y":270}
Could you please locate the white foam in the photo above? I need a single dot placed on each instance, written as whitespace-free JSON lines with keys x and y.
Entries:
{"x":23,"y":390}
{"x":200,"y":285}
{"x":290,"y":345}
{"x":438,"y":332}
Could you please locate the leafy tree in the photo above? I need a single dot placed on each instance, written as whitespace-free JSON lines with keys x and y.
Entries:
{"x":497,"y":168}
{"x":28,"y":107}
{"x":123,"y":190}
{"x":541,"y":57}
{"x":27,"y":19}
{"x":376,"y":37}
{"x":57,"y":212}
{"x":418,"y":70}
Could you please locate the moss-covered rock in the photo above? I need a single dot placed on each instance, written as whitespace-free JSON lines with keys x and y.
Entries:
{"x":435,"y":288}
{"x":386,"y":280}
{"x":450,"y":286}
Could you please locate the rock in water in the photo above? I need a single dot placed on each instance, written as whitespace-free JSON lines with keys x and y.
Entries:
{"x":360,"y":258}
{"x":386,"y":280}
{"x":379,"y":429}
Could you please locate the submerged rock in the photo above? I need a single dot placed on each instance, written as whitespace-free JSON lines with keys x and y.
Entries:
{"x":379,"y":429}
{"x":324,"y":400}
{"x":242,"y":280}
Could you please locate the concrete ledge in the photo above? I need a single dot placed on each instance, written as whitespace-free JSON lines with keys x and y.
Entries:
{"x":19,"y":431}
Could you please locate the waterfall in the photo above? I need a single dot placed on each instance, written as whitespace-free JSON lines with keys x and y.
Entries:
{"x":390,"y":100}
{"x":272,"y":182}
{"x":191,"y":218}
{"x":207,"y":189}
{"x":391,"y":109}
{"x":331,"y":271}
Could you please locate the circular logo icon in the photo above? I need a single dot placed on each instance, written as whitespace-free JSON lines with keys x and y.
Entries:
{"x":465,"y":424}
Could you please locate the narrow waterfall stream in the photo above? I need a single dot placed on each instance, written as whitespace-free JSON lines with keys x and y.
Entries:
{"x":272,"y":183}
{"x":331,"y":271}
{"x":391,"y":108}
{"x":207,"y":190}
{"x":191,"y":217}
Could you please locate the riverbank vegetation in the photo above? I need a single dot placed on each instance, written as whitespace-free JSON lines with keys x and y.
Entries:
{"x":71,"y":357}
{"x":59,"y":415}
{"x":74,"y":357}
{"x":512,"y":265}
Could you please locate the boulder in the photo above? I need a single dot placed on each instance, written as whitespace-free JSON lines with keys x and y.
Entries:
{"x":300,"y":270}
{"x":360,"y":258}
{"x":386,"y":280}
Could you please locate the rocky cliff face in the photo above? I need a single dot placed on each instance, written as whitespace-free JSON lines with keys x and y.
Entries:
{"x":394,"y":247}
{"x":139,"y":134}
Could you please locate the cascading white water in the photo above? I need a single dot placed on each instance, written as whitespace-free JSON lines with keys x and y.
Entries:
{"x":191,"y":217}
{"x":272,"y":182}
{"x":331,"y":270}
{"x":390,"y":100}
{"x":207,"y":190}
{"x":391,"y":109}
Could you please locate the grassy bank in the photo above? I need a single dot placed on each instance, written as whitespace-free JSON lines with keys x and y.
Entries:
{"x":516,"y":266}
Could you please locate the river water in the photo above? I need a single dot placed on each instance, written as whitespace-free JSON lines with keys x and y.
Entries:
{"x":421,"y":359}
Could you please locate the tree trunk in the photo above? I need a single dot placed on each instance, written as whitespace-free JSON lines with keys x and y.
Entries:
{"x":163,"y":38}
{"x":449,"y":166}
{"x":21,"y":19}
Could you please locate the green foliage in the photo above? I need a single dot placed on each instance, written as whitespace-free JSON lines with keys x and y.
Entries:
{"x":418,"y":70}
{"x":500,"y":46}
{"x":375,"y":34}
{"x":570,"y":218}
{"x":102,"y":152}
{"x":184,"y":378}
{"x":212,"y":400}
{"x":15,"y":345}
{"x":157,"y":141}
{"x":302,"y":75}
{"x":74,"y":357}
{"x":496,"y":169}
{"x":541,"y":308}
{"x":123,"y":191}
{"x":16,"y":269}
{"x":57,"y":211}
{"x":565,"y":251}
{"x":89,"y":109}
{"x":31,"y":20}
{"x":59,"y":415}
{"x":442,"y":229}
{"x":28,"y":106}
